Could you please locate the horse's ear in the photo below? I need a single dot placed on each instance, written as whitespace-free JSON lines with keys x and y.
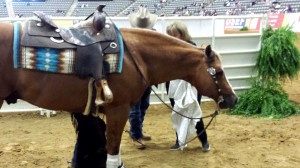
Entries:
{"x":208,"y":50}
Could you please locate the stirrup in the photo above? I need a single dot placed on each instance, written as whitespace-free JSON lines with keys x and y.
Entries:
{"x":108,"y":96}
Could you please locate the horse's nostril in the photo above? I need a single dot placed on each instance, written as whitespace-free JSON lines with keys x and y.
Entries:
{"x":236,"y":100}
{"x":231,"y":101}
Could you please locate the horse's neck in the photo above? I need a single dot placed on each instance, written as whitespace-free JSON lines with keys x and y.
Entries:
{"x":178,"y":64}
{"x":162,"y":58}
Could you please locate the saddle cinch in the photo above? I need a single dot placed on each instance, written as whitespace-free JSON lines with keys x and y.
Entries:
{"x":92,"y":39}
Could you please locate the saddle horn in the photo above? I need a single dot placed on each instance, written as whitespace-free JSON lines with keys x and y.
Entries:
{"x":99,"y":18}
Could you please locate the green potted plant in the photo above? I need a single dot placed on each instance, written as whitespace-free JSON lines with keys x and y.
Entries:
{"x":278,"y":60}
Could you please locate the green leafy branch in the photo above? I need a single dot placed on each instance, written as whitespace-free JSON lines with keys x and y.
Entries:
{"x":278,"y":60}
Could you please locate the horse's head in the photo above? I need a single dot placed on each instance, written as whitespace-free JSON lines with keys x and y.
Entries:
{"x":214,"y":83}
{"x":161,"y":58}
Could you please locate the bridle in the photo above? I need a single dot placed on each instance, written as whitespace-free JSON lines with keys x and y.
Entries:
{"x":212,"y":71}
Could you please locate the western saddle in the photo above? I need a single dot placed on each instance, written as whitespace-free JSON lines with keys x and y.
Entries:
{"x":91,"y":38}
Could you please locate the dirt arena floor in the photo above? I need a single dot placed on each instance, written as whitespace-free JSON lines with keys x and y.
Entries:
{"x":28,"y":140}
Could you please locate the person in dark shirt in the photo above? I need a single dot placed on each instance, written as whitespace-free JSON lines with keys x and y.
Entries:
{"x":142,"y":19}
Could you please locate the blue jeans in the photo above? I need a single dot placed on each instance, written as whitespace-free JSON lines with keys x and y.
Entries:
{"x":137,"y":114}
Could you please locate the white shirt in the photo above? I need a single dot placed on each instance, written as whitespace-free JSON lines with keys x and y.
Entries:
{"x":185,"y":97}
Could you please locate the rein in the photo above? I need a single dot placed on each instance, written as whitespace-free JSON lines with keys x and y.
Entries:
{"x":212,"y":72}
{"x":212,"y":115}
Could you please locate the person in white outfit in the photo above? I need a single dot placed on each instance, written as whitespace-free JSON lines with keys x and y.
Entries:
{"x":185,"y":100}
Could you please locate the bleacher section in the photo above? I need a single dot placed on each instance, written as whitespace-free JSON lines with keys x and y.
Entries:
{"x":160,"y":7}
{"x":3,"y":10}
{"x":113,"y":8}
{"x":203,"y":6}
{"x":50,"y":7}
{"x":187,"y":10}
{"x":294,"y":3}
{"x":151,"y":5}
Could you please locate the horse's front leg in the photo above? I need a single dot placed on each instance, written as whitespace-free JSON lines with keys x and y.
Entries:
{"x":116,"y":118}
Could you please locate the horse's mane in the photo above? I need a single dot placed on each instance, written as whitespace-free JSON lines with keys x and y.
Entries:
{"x":156,"y":35}
{"x":145,"y":35}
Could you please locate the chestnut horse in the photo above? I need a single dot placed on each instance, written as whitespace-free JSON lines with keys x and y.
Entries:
{"x":150,"y":58}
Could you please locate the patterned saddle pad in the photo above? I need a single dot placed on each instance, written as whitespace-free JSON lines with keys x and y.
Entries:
{"x":57,"y":60}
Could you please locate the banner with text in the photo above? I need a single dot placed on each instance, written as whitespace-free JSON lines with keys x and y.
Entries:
{"x":239,"y":23}
{"x":274,"y":20}
{"x":280,"y":20}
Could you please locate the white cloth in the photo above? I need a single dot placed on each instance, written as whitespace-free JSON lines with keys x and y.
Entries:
{"x":185,"y":97}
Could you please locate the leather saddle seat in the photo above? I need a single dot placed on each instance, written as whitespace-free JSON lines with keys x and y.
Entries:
{"x":43,"y":32}
{"x":90,"y":44}
{"x":92,"y":39}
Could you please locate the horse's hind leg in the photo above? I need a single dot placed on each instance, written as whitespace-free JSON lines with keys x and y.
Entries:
{"x":116,"y":118}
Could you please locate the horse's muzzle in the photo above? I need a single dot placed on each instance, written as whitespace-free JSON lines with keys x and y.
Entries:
{"x":228,"y":101}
